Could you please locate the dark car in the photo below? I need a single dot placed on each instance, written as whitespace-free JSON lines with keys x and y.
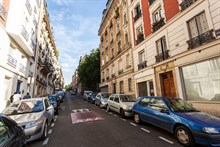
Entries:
{"x":92,"y":98}
{"x":10,"y":133}
{"x":61,"y":95}
{"x":189,"y":125}
{"x":55,"y":101}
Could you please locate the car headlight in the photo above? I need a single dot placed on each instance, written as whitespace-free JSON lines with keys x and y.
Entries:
{"x":210,"y":130}
{"x":128,"y":107}
{"x":34,"y":123}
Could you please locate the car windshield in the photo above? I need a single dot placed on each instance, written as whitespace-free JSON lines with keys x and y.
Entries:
{"x":127,"y":98}
{"x":52,"y":98}
{"x":25,"y":107}
{"x":178,"y":105}
{"x":106,"y":95}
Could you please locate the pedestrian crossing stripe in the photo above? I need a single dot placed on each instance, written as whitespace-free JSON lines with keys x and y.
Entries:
{"x":80,"y":110}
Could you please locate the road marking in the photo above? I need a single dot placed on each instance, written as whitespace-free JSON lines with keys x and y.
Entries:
{"x":106,"y":111}
{"x":145,"y":130}
{"x":56,"y":116}
{"x":46,"y":141}
{"x":50,"y":131}
{"x":115,"y":115}
{"x":52,"y":124}
{"x":123,"y":119}
{"x":103,"y":109}
{"x":110,"y":113}
{"x":55,"y":119}
{"x":164,"y":139}
{"x":133,"y":124}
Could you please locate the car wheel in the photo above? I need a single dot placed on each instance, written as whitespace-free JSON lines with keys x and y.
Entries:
{"x":108,"y":108}
{"x":184,"y":136}
{"x":57,"y":111}
{"x":44,"y":135}
{"x":122,"y":113}
{"x":137,"y":118}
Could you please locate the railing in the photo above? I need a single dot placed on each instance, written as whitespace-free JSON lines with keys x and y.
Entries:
{"x":118,"y":32}
{"x":137,"y":16}
{"x":162,"y":56}
{"x":12,"y":61}
{"x":120,"y":71}
{"x":142,"y":65}
{"x":186,"y":3}
{"x":200,"y":40}
{"x":140,"y":38}
{"x":33,"y":45}
{"x":157,"y":25}
{"x":151,"y":2}
{"x":22,"y":68}
{"x":3,"y":12}
{"x":28,"y":6}
{"x":24,"y":32}
{"x":112,"y":57}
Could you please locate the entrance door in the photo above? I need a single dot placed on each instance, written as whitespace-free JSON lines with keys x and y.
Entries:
{"x":168,"y":88}
{"x":142,"y":89}
{"x":114,"y":88}
{"x":18,"y":86}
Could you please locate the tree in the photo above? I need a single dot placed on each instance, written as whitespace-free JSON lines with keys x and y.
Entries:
{"x":89,"y":70}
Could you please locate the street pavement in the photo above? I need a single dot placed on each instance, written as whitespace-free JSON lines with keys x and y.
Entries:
{"x":81,"y":124}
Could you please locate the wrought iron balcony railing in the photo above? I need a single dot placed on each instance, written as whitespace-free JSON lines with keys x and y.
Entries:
{"x":137,"y":16}
{"x":162,"y":56}
{"x":140,"y":38}
{"x":22,"y":68}
{"x":12,"y":61}
{"x":120,"y":71}
{"x":200,"y":39}
{"x":186,"y":3}
{"x":157,"y":25}
{"x":3,"y":12}
{"x":24,"y":32}
{"x":142,"y":65}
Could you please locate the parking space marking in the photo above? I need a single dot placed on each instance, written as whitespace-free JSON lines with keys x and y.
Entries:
{"x":110,"y":113}
{"x":145,"y":130}
{"x":52,"y":124}
{"x":50,"y":131}
{"x":56,"y":116}
{"x":164,"y":139}
{"x":55,"y":119}
{"x":106,"y":111}
{"x":46,"y":141}
{"x":123,"y":119}
{"x":133,"y":124}
{"x":115,"y":115}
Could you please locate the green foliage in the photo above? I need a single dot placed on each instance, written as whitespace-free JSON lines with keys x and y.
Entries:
{"x":57,"y":53}
{"x":89,"y":70}
{"x":68,"y":87}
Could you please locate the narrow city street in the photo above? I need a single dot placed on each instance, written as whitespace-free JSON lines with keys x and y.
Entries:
{"x":111,"y":130}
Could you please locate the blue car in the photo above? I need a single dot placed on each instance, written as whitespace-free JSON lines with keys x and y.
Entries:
{"x":189,"y":125}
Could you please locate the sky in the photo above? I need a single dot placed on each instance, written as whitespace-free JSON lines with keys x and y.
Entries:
{"x":75,"y":25}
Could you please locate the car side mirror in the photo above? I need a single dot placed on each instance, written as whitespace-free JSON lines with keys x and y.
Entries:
{"x":164,"y":110}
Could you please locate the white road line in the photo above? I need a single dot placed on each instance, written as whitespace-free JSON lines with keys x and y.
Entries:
{"x":115,"y":115}
{"x":106,"y":111}
{"x":133,"y":124}
{"x":123,"y":119}
{"x":145,"y":130}
{"x":110,"y":113}
{"x":55,"y":119}
{"x":46,"y":141}
{"x":50,"y":131}
{"x":52,"y":124}
{"x":56,"y":116}
{"x":164,"y":139}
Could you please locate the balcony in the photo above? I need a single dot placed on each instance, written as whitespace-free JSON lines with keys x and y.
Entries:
{"x":120,"y":71}
{"x":12,"y":61}
{"x":151,"y":2}
{"x":137,"y":16}
{"x":22,"y":68}
{"x":140,"y":38}
{"x":28,"y":7}
{"x":162,"y":56}
{"x":200,"y":40}
{"x":186,"y":3}
{"x":157,"y":25}
{"x":24,"y":32}
{"x":142,"y":65}
{"x":2,"y":12}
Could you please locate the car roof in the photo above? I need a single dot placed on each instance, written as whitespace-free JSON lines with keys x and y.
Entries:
{"x":160,"y":97}
{"x":39,"y":98}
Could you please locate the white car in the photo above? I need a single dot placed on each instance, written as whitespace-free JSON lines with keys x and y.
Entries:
{"x":121,"y":103}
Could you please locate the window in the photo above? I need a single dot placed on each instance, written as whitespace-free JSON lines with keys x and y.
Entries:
{"x":5,"y":132}
{"x":144,"y":102}
{"x":116,"y":99}
{"x":111,"y":98}
{"x":120,"y":65}
{"x":119,"y":47}
{"x":118,"y":26}
{"x":127,"y":60}
{"x":157,"y":15}
{"x":107,"y":73}
{"x":201,"y":82}
{"x":161,"y":49}
{"x":129,"y":85}
{"x":137,"y":12}
{"x":126,"y":38}
{"x":141,"y":56}
{"x":47,"y":104}
{"x":113,"y":69}
{"x":121,"y":87}
{"x":157,"y":104}
{"x":112,"y":53}
{"x":125,"y":19}
{"x":106,"y":55}
{"x":139,"y":35}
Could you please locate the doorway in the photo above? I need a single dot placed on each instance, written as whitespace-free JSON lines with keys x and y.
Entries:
{"x":168,"y":88}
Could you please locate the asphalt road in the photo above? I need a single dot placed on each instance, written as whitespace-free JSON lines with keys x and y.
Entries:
{"x":112,"y":131}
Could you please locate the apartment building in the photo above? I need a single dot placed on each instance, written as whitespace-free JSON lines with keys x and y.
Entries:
{"x":176,"y":50}
{"x":115,"y":49}
{"x":18,"y":44}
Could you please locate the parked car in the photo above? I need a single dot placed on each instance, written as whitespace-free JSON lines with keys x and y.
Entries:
{"x":55,"y":101}
{"x":92,"y":98}
{"x":61,"y":95}
{"x":72,"y":92}
{"x":121,"y":103}
{"x":86,"y":94}
{"x":189,"y":125}
{"x":33,"y":115}
{"x":11,"y":135}
{"x":102,"y":99}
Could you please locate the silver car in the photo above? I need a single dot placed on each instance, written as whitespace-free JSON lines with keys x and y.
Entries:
{"x":121,"y":103}
{"x":102,"y":99}
{"x":33,"y":115}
